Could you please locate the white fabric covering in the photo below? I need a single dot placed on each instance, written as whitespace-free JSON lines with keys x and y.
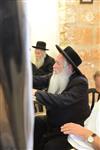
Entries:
{"x":93,"y":124}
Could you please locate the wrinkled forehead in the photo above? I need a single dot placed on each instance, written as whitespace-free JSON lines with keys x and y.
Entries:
{"x":39,"y":51}
{"x":60,"y":58}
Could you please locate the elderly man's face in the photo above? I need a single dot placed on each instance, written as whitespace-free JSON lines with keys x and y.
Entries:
{"x":59,"y":64}
{"x":62,"y":71}
{"x":39,"y":53}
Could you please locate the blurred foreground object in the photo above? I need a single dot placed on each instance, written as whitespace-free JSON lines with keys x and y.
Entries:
{"x":16,"y":111}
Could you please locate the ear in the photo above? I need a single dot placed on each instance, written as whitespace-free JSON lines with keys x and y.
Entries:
{"x":70,"y":67}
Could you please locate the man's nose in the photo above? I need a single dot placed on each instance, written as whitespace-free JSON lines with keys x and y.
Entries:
{"x":54,"y":65}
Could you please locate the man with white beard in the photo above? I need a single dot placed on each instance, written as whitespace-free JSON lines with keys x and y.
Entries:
{"x":59,"y":80}
{"x":66,"y":100}
{"x":42,"y":63}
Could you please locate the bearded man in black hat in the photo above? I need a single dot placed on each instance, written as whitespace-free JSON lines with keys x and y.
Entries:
{"x":66,"y":100}
{"x":43,"y":63}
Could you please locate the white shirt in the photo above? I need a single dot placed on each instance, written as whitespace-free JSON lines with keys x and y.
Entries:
{"x":93,"y":124}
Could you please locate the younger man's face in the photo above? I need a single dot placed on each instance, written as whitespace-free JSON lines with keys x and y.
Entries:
{"x":97,"y":81}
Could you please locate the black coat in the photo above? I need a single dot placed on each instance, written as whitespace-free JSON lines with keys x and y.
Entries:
{"x":69,"y":106}
{"x":46,"y":68}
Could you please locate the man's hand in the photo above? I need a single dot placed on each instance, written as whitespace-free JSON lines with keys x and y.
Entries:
{"x":34,"y":91}
{"x":76,"y":129}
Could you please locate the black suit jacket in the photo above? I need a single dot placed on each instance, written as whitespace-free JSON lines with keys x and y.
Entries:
{"x":46,"y":68}
{"x":69,"y":106}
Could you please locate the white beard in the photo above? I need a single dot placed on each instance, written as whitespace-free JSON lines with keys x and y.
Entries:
{"x":39,"y":62}
{"x":58,"y":82}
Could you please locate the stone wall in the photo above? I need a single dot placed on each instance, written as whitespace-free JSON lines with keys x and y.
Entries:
{"x":79,"y":27}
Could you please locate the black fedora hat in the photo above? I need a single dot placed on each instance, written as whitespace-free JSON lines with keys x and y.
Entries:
{"x":40,"y":45}
{"x":71,"y":56}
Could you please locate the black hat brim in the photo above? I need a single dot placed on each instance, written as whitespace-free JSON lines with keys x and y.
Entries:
{"x":68,"y":59}
{"x":39,"y":48}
